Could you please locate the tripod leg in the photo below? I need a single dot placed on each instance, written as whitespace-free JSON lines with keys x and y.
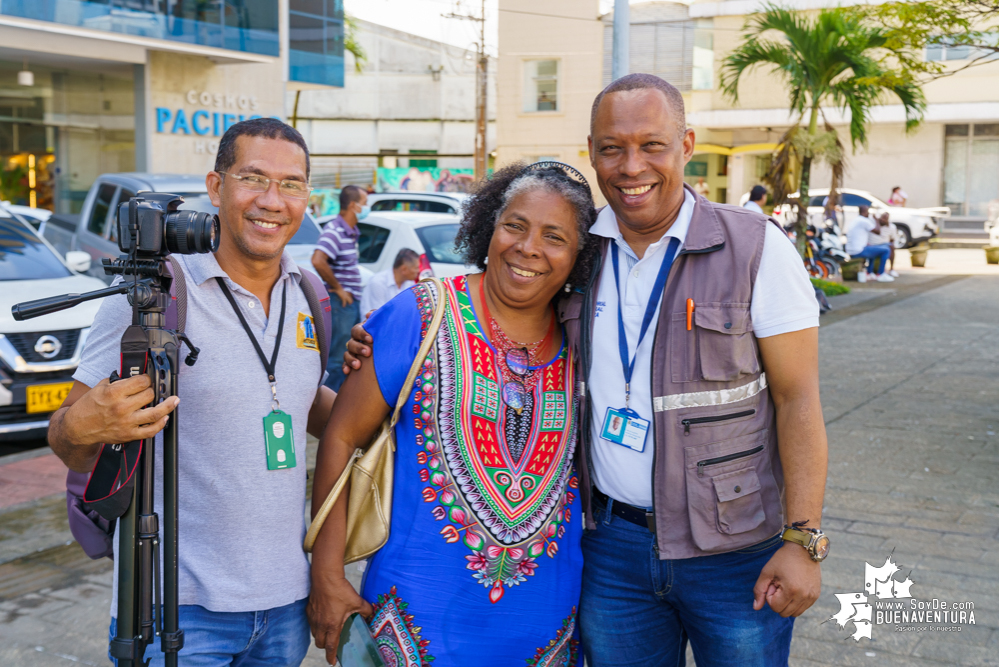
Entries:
{"x":172,"y":639}
{"x":127,"y":583}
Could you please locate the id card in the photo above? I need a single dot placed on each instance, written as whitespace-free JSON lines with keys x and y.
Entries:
{"x":624,"y":427}
{"x":279,"y":441}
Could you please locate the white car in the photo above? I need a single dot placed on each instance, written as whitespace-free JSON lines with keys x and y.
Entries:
{"x":914,"y":224}
{"x":425,"y":202}
{"x":38,"y":356}
{"x":430,"y":235}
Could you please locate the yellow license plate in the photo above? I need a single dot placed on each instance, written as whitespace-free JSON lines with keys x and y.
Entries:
{"x":47,"y":397}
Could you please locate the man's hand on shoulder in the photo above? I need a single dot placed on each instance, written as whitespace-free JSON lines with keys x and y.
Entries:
{"x":107,"y":413}
{"x":790,"y":582}
{"x":358,"y":348}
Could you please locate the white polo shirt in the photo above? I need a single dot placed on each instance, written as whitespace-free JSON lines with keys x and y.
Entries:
{"x":783,"y":301}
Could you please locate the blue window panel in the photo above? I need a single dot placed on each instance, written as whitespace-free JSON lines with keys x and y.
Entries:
{"x":323,"y":69}
{"x":249,"y":26}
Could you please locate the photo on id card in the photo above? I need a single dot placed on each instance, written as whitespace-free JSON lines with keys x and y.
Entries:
{"x":624,"y":427}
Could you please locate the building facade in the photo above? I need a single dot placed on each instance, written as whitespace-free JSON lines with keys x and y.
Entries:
{"x":550,"y":68}
{"x":145,"y":85}
{"x":952,"y":159}
{"x":409,"y":96}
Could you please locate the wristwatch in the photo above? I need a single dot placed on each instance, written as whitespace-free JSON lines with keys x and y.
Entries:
{"x":814,"y":540}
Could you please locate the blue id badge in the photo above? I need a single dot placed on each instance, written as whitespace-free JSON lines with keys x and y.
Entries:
{"x":624,"y":427}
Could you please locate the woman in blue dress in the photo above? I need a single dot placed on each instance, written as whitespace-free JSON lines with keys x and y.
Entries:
{"x":483,"y":562}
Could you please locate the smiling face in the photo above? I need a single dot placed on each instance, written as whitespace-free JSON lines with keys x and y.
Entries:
{"x":259,"y":224}
{"x":533,"y":249}
{"x":639,"y":156}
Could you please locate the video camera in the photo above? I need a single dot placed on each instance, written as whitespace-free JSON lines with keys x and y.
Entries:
{"x":149,"y":225}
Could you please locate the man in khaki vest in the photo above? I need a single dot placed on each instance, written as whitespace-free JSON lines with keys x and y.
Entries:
{"x":723,"y":448}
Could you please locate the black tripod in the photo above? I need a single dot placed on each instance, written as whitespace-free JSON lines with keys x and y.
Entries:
{"x":123,"y":481}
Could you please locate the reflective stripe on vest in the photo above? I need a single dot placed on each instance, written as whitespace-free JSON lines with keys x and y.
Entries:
{"x":701,"y":399}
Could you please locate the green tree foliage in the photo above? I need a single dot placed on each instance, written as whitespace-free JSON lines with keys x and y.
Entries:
{"x":832,"y":58}
{"x":913,"y":27}
{"x":351,"y":44}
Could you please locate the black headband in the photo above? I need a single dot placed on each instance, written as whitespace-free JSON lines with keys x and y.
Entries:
{"x":571,"y":172}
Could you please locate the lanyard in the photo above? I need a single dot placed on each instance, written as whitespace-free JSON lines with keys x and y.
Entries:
{"x":269,"y":366}
{"x":650,"y":310}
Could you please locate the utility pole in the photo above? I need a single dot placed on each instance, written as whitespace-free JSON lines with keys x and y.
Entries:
{"x":481,"y":90}
{"x":622,"y":28}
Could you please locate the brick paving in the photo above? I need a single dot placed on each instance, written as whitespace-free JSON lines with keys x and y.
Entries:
{"x":910,"y":392}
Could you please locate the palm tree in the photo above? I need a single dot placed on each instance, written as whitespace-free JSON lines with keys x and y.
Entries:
{"x":832,"y":59}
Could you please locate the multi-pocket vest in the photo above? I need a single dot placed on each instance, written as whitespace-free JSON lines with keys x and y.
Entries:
{"x":717,"y":479}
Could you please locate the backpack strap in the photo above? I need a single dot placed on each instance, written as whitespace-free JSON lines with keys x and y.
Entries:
{"x":176,"y":312}
{"x":322,"y":316}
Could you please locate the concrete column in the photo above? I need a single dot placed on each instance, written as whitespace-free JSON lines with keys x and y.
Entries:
{"x":143,"y":121}
{"x":736,"y":178}
{"x":622,"y":28}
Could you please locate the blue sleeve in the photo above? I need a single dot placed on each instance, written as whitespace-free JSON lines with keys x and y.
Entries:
{"x":395,"y":329}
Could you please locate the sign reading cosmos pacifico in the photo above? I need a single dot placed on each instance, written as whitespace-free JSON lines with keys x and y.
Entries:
{"x":218,"y":112}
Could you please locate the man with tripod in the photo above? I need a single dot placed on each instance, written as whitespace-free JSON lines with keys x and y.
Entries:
{"x":243,"y":577}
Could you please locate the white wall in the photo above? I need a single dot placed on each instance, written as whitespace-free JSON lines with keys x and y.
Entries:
{"x":913,"y":161}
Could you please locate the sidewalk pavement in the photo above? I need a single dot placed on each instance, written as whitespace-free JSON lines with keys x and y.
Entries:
{"x":910,"y":392}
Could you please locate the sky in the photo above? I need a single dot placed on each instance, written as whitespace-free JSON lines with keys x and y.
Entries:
{"x":424,"y":18}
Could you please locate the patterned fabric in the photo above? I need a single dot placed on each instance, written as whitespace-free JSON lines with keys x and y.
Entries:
{"x":339,"y":243}
{"x":485,"y":538}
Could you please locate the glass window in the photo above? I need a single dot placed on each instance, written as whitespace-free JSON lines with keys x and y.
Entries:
{"x":308,"y":233}
{"x":371,"y":242}
{"x":541,"y":85}
{"x":818,"y":201}
{"x":849,"y":199}
{"x":956,"y":131}
{"x":100,"y":209}
{"x":702,"y":75}
{"x":24,"y":257}
{"x":413,"y":205}
{"x":956,"y":171}
{"x":438,"y":243}
{"x":987,"y":129}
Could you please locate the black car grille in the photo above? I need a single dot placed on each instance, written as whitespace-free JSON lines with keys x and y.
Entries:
{"x":24,"y":343}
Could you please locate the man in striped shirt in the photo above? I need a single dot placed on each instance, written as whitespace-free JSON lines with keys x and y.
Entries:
{"x":335,"y":260}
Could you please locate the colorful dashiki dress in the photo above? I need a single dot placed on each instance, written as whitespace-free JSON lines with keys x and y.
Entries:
{"x":483,"y":563}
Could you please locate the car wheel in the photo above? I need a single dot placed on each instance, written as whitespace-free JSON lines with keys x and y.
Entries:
{"x":904,"y":238}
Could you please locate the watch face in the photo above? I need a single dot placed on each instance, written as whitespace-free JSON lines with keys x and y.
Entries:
{"x":821,"y":548}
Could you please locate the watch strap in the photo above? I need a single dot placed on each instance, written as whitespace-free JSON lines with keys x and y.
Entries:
{"x":797,"y":536}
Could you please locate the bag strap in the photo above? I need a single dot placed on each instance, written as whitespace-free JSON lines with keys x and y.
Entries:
{"x":428,"y":340}
{"x":321,"y":316}
{"x":178,"y":292}
{"x":334,"y":494}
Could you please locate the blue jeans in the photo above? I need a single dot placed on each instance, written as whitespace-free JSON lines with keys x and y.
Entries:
{"x":344,"y":317}
{"x":872,"y":253}
{"x":637,"y":610}
{"x":278,"y":637}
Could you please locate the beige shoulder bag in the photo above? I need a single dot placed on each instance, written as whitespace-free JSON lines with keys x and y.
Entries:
{"x":370,"y":470}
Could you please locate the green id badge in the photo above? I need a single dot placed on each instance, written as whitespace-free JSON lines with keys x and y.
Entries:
{"x":279,"y":441}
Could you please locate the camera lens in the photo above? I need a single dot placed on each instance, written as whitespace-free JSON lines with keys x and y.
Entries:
{"x":189,"y":232}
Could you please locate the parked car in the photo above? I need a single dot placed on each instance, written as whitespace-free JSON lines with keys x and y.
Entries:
{"x":39,"y":356}
{"x":384,"y":234}
{"x":914,"y":224}
{"x":94,"y":229}
{"x":35,"y":217}
{"x":426,"y":202}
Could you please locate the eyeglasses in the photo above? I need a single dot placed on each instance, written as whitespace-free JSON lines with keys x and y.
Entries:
{"x":255,"y":183}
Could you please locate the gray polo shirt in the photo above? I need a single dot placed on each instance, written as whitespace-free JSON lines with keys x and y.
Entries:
{"x":240,"y":525}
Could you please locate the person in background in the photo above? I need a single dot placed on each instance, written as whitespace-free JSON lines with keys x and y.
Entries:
{"x":757,"y":196}
{"x":335,"y":260}
{"x":857,"y":248}
{"x":898,"y":196}
{"x":702,"y":188}
{"x":386,"y":284}
{"x":886,"y":235}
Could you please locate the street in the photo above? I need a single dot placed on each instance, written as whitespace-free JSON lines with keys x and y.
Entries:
{"x":910,"y":380}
